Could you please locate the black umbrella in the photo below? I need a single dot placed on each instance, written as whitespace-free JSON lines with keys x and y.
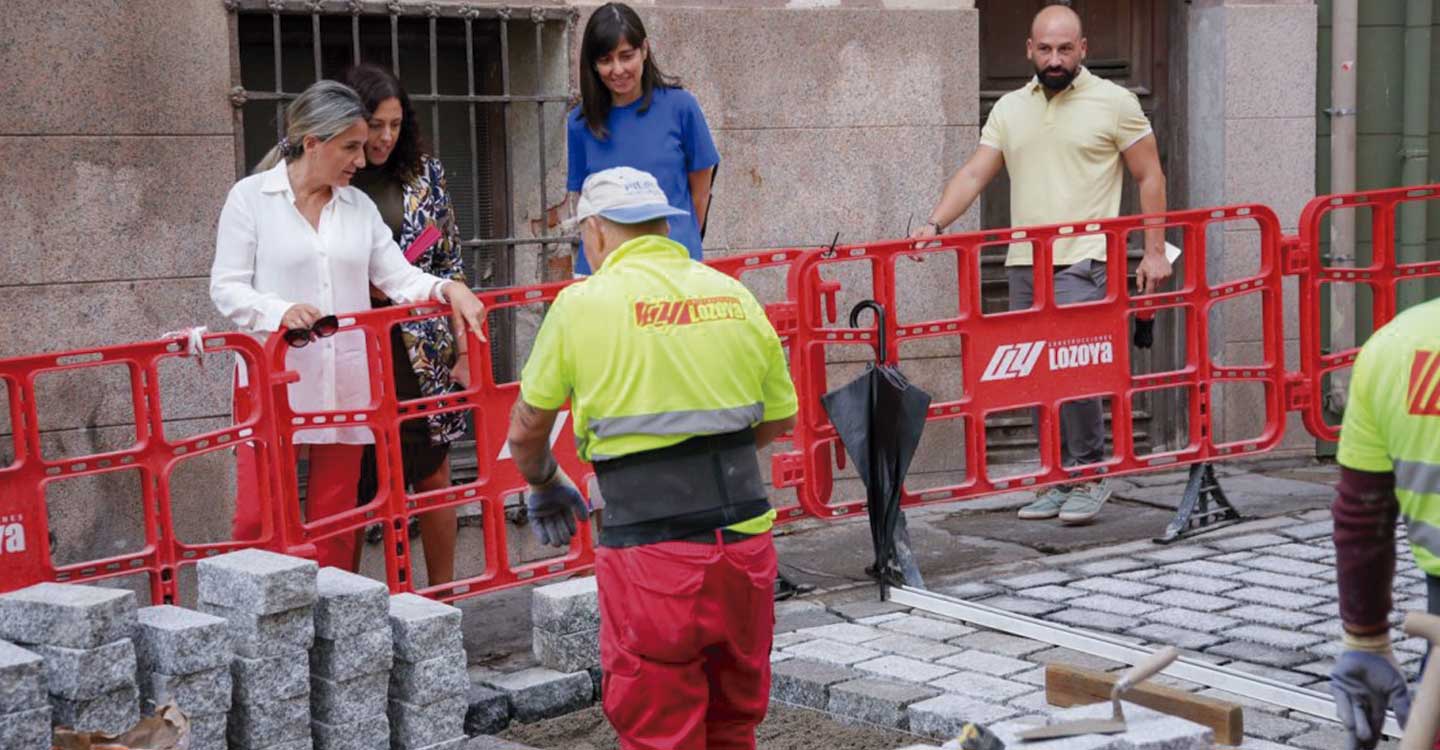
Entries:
{"x":879,"y":417}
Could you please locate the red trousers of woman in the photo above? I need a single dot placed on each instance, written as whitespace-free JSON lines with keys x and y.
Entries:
{"x":685,"y":636}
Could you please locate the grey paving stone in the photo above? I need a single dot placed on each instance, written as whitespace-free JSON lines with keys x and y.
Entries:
{"x":1248,"y":542}
{"x":1259,"y":654}
{"x":487,"y":710}
{"x":1233,"y":558}
{"x":877,"y":619}
{"x":22,"y":679}
{"x":844,"y":632}
{"x":904,"y":669}
{"x":1274,"y":637}
{"x":1116,"y":605}
{"x":1314,"y":530}
{"x":571,"y":606}
{"x":1041,"y":578}
{"x":913,"y":647}
{"x":442,"y":676}
{"x":972,"y":590}
{"x":1144,"y":574}
{"x":982,"y":686}
{"x":1110,"y":567}
{"x":494,"y":743}
{"x":1192,"y":600}
{"x":459,"y":743}
{"x":66,"y":615}
{"x":1197,"y":583}
{"x":1023,"y":606}
{"x":257,"y":681}
{"x":1062,"y":655}
{"x":1191,"y":620}
{"x":370,"y":733}
{"x":351,"y":656}
{"x":867,"y":608}
{"x":1273,"y":563}
{"x":1277,"y":580}
{"x":348,"y":604}
{"x":943,"y":716}
{"x":1177,"y":637}
{"x":257,"y":581}
{"x":1089,"y":618}
{"x":197,"y":693}
{"x":1033,"y":676}
{"x":802,"y":682}
{"x":112,"y":713}
{"x":1114,"y":586}
{"x":415,"y":726}
{"x":1054,"y":593}
{"x":1275,"y":597}
{"x":79,"y":674}
{"x":1206,"y":568}
{"x":1282,"y":618}
{"x":1177,"y":554}
{"x":1032,"y":702}
{"x":801,"y":619}
{"x":538,"y":693}
{"x":175,"y":640}
{"x":1297,"y":551}
{"x":207,"y":731}
{"x":269,"y":723}
{"x":783,"y":640}
{"x":349,"y":701}
{"x":299,"y":743}
{"x":832,"y":652}
{"x":27,"y":730}
{"x":988,"y":663}
{"x":879,"y":702}
{"x":1000,"y":643}
{"x":1008,"y":734}
{"x":423,"y":628}
{"x":256,"y":636}
{"x":927,"y":627}
{"x":1288,"y":676}
{"x":1320,"y":739}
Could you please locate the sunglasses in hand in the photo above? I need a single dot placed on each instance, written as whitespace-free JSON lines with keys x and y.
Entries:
{"x":323,"y":328}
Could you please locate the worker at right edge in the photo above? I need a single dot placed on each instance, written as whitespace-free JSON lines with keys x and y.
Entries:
{"x":1389,"y":467}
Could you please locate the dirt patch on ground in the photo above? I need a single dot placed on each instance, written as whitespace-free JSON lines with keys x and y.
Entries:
{"x":785,"y":728}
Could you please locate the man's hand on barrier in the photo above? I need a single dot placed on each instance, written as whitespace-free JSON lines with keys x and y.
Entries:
{"x":552,"y":508}
{"x":1365,"y":681}
{"x":1154,"y":271}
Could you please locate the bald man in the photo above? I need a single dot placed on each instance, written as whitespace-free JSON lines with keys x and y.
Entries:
{"x":1063,"y":137}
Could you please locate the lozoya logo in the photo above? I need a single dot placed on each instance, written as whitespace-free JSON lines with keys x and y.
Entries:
{"x":1013,"y":361}
{"x":12,"y":534}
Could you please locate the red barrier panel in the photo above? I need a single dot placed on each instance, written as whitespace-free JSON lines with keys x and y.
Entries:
{"x":1040,"y":357}
{"x":1382,"y":277}
{"x":25,"y":549}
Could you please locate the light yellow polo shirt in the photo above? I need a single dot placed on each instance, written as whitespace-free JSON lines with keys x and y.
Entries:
{"x":1063,"y":155}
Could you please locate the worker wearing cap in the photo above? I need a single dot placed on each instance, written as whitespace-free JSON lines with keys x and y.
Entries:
{"x":675,"y":378}
{"x":1389,"y":467}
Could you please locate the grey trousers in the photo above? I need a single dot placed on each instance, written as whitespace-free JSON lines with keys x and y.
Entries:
{"x":1082,"y":423}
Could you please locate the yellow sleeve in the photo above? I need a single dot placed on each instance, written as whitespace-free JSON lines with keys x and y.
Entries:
{"x":1131,"y":124}
{"x":1362,"y":440}
{"x":777,"y":390}
{"x":549,"y":377}
{"x":993,"y":133}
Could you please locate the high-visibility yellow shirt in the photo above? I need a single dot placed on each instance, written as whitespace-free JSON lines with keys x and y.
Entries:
{"x":1064,"y":158}
{"x":1392,"y":421}
{"x":654,"y":349}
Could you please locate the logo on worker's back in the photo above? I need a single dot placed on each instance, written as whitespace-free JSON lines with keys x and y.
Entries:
{"x":1013,"y":361}
{"x":1424,"y":392}
{"x":687,"y":311}
{"x":12,"y":534}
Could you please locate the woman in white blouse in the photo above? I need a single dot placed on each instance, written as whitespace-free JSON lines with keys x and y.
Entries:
{"x":297,"y":243}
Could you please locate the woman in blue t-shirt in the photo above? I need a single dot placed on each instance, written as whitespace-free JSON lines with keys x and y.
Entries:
{"x":632,"y":115}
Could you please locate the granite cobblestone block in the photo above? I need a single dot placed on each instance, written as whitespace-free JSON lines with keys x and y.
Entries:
{"x":1248,"y":542}
{"x":844,"y":632}
{"x":1114,"y":587}
{"x":422,"y":628}
{"x":569,"y":652}
{"x":112,"y":713}
{"x":1256,"y":653}
{"x":873,"y":701}
{"x":371,"y":733}
{"x":1299,"y":551}
{"x":442,"y":676}
{"x":913,"y":647}
{"x":571,"y":606}
{"x":487,"y":710}
{"x":1025,"y":606}
{"x":1054,"y":593}
{"x":1199,"y":583}
{"x":1277,"y":580}
{"x":257,"y":636}
{"x":1207,"y":568}
{"x":197,"y":693}
{"x":1275,"y":597}
{"x":1272,"y":563}
{"x":943,"y":716}
{"x":22,"y":680}
{"x":175,"y":640}
{"x":927,"y":627}
{"x":991,"y":664}
{"x":1178,"y":637}
{"x":539,"y":693}
{"x":27,"y":730}
{"x":349,"y":701}
{"x":802,"y":682}
{"x":903,"y":669}
{"x":349,"y":604}
{"x":1275,"y":637}
{"x":1192,"y":600}
{"x":1094,"y":620}
{"x":264,"y":724}
{"x":1000,"y":643}
{"x":256,"y":681}
{"x":1308,"y":531}
{"x":81,"y":674}
{"x":415,"y":725}
{"x":1041,"y":578}
{"x":207,"y":731}
{"x":1178,"y":554}
{"x":1110,"y":567}
{"x":257,"y":581}
{"x":352,"y":656}
{"x":1274,"y":616}
{"x":1190,"y":619}
{"x":67,"y":615}
{"x":1116,"y":605}
{"x":832,"y":652}
{"x":981,"y":686}
{"x":868,"y":608}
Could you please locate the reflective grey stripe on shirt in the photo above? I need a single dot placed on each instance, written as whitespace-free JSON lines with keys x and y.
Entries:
{"x":1417,"y":476}
{"x":697,"y":422}
{"x":1423,"y":535}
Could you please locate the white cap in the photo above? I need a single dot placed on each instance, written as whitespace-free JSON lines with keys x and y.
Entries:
{"x":624,"y":196}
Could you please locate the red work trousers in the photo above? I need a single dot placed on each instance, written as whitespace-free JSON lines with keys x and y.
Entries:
{"x":685,"y":636}
{"x":334,"y":474}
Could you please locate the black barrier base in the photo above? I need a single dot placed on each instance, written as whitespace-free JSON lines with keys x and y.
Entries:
{"x":1195,"y":514}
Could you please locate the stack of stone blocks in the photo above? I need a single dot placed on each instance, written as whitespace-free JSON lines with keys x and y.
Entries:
{"x":350,"y":663}
{"x":184,"y":660}
{"x":24,"y":707}
{"x":565,"y":620}
{"x":82,"y":634}
{"x":269,"y":601}
{"x":428,"y":682}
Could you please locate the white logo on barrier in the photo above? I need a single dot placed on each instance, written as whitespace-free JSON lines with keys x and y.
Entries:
{"x":12,"y":537}
{"x":561,"y":420}
{"x":1013,"y":361}
{"x":1094,"y":352}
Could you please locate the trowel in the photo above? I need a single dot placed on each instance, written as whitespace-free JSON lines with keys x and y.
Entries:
{"x":1116,"y":723}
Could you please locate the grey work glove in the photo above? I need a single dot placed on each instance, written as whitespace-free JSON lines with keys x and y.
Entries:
{"x":1364,"y":684}
{"x":552,"y":508}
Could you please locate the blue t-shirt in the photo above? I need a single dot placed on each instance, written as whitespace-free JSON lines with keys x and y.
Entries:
{"x":669,"y":140}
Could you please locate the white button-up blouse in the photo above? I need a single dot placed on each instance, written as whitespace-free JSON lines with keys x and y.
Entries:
{"x":268,"y":258}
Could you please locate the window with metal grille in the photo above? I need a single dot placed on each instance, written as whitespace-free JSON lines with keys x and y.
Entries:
{"x":490,"y":86}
